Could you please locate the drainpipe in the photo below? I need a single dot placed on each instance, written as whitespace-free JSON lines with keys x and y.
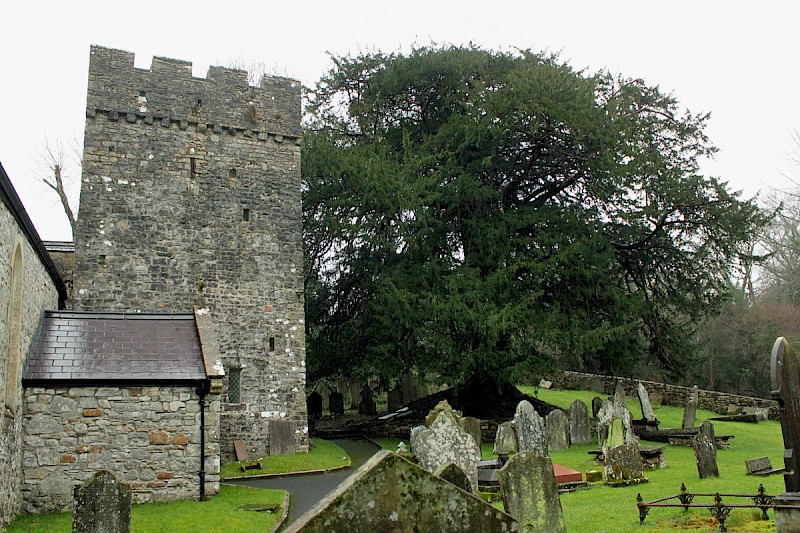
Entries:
{"x":202,"y":390}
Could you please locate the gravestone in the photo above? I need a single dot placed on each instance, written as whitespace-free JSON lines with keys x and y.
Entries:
{"x":374,"y":379}
{"x":412,"y":438}
{"x":408,"y":391}
{"x":611,"y":411}
{"x":785,"y":388}
{"x":281,"y":437}
{"x":530,"y":429}
{"x":505,"y":440}
{"x":705,"y":454}
{"x":597,"y":404}
{"x":472,"y":425}
{"x":336,"y":403}
{"x":325,"y":394}
{"x":341,"y":385}
{"x":623,"y":465}
{"x":442,"y":406}
{"x":102,"y":505}
{"x":445,"y":442}
{"x":757,"y":465}
{"x":644,"y":400}
{"x":707,"y":429}
{"x":314,"y":404}
{"x":579,"y":429}
{"x":556,"y":425}
{"x":530,"y":493}
{"x":453,"y":474}
{"x":690,"y":410}
{"x":394,"y":400}
{"x":388,"y":493}
{"x":355,"y":385}
{"x":615,"y":435}
{"x":367,"y":404}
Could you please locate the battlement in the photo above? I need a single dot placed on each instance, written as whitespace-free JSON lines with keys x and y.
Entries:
{"x":168,"y":90}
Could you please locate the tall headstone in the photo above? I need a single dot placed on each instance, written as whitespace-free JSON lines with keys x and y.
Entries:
{"x":644,"y":400}
{"x":472,"y":425}
{"x":281,"y":437}
{"x":597,"y":404}
{"x":707,"y":429}
{"x":367,"y":404}
{"x":690,"y":411}
{"x":394,"y":399}
{"x":445,"y":442}
{"x":530,"y":429}
{"x":314,"y":403}
{"x":389,"y":493}
{"x":505,"y":440}
{"x":355,"y":385}
{"x":785,"y":385}
{"x":408,"y":391}
{"x":530,"y":493}
{"x":342,"y":385}
{"x":102,"y":505}
{"x":336,"y":403}
{"x":374,"y":379}
{"x":325,"y":394}
{"x":556,"y":424}
{"x":579,"y":429}
{"x":705,"y":454}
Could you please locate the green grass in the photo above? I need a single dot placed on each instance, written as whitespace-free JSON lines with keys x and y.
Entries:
{"x":323,"y":455}
{"x":220,"y":514}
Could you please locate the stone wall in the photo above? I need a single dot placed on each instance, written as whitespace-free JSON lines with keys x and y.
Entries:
{"x":147,"y":436}
{"x":38,"y":292}
{"x":190,"y":197}
{"x":719,"y":402}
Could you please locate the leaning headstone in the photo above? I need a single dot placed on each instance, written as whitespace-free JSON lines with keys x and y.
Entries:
{"x":336,"y":403}
{"x":102,"y":505}
{"x":530,"y":493}
{"x":647,"y":409}
{"x":281,"y":437}
{"x":579,"y":429}
{"x":505,"y":440}
{"x":388,"y":493}
{"x":597,"y":404}
{"x":785,"y":386}
{"x":314,"y":404}
{"x":394,"y":400}
{"x":615,"y":435}
{"x":705,"y":453}
{"x":604,"y":417}
{"x":324,"y":393}
{"x":453,"y":474}
{"x":623,"y":465}
{"x":530,"y":429}
{"x":707,"y":429}
{"x":472,"y":425}
{"x":445,"y":442}
{"x":556,"y":424}
{"x":690,"y":410}
{"x":367,"y":404}
{"x":355,"y":385}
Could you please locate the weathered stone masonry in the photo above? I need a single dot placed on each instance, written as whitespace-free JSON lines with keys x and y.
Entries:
{"x":191,"y":197}
{"x":147,"y":436}
{"x":37,"y":289}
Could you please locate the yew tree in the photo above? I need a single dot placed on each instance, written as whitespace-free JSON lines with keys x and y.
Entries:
{"x":472,"y":213}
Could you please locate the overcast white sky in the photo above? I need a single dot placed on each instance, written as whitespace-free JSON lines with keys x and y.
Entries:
{"x":740,"y":64}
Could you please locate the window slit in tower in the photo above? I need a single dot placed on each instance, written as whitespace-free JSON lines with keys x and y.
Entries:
{"x":192,"y":166}
{"x":246,"y":215}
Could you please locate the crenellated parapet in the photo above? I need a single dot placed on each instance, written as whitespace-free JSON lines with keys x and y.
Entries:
{"x":167,"y":93}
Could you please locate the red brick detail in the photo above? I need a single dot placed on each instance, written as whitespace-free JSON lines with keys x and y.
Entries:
{"x":164,"y":475}
{"x":181,"y":439}
{"x":158,"y":437}
{"x":67,"y":458}
{"x":156,"y":484}
{"x":92,"y":412}
{"x":82,"y":448}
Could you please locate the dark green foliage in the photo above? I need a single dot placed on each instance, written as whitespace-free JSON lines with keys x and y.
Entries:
{"x":475,"y":213}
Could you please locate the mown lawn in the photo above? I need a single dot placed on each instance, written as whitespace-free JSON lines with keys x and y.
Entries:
{"x":323,"y":455}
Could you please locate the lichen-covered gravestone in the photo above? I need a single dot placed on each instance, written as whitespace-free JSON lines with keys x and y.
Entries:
{"x":454,"y":475}
{"x":445,"y":406}
{"x":785,"y":385}
{"x":530,"y":493}
{"x":505,"y":440}
{"x":102,"y":505}
{"x":579,"y":429}
{"x":690,"y":411}
{"x":355,"y":384}
{"x":281,"y":437}
{"x":445,"y":442}
{"x":705,"y":454}
{"x":530,"y":429}
{"x":644,"y":400}
{"x":556,"y":424}
{"x":597,"y":404}
{"x":472,"y":425}
{"x":391,"y":494}
{"x":623,"y":465}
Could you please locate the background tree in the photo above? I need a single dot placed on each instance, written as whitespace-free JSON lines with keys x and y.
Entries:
{"x":476,"y":213}
{"x":59,"y":168}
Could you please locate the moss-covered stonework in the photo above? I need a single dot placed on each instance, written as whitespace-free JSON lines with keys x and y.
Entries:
{"x":530,"y":493}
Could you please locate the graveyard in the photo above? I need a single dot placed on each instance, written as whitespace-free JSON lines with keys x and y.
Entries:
{"x":595,"y":507}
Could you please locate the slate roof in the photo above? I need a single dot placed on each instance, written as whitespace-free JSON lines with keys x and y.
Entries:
{"x":135,"y":347}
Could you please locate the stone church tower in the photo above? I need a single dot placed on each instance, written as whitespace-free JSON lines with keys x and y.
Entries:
{"x":190,"y":198}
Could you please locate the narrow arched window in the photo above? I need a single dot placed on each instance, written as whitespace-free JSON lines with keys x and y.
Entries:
{"x":14,"y":327}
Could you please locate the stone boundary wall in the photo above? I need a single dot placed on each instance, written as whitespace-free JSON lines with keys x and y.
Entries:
{"x":147,"y":436}
{"x":675,"y":395}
